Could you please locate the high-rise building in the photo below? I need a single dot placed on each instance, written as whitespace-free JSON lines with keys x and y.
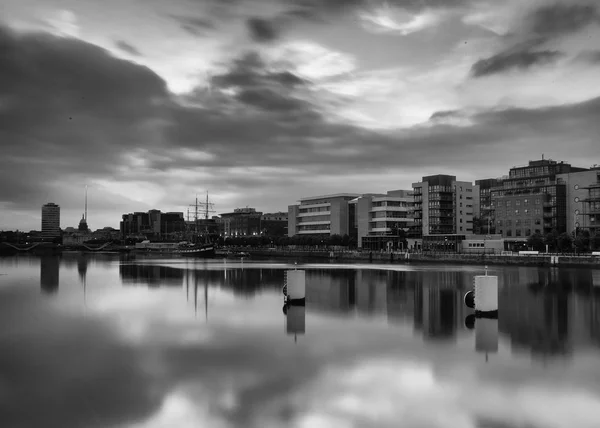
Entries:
{"x":381,"y":219}
{"x":318,"y":215}
{"x":532,"y":199}
{"x":50,"y":221}
{"x":444,"y":206}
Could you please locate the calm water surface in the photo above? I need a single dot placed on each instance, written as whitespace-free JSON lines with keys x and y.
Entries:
{"x":104,"y":341}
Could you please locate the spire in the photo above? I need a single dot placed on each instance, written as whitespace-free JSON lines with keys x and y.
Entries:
{"x":85,"y":213}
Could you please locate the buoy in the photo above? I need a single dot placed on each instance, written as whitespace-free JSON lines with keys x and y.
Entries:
{"x":296,"y":285}
{"x":469,"y":299}
{"x":486,"y":293}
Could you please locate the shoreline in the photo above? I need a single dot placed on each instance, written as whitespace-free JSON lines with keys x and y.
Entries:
{"x":551,"y":260}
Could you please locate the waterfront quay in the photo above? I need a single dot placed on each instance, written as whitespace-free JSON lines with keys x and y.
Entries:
{"x":544,"y":259}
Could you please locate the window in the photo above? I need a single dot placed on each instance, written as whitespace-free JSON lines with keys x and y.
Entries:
{"x":537,"y":201}
{"x":508,"y":204}
{"x":538,"y":221}
{"x":517,"y":212}
{"x":527,"y":232}
{"x":518,"y":232}
{"x":518,"y":203}
{"x":500,"y":223}
{"x":526,"y":202}
{"x":526,"y":212}
{"x":509,"y":232}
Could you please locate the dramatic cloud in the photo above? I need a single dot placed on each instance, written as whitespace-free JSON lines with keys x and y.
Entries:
{"x":562,"y":18}
{"x":127,"y":48}
{"x":514,"y":59}
{"x":310,"y":101}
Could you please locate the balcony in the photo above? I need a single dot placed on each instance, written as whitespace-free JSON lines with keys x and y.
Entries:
{"x":548,"y":215}
{"x":381,"y":229}
{"x":548,"y":204}
{"x":313,"y":214}
{"x":314,"y":232}
{"x":392,"y":220}
{"x":386,"y":208}
{"x":313,"y":223}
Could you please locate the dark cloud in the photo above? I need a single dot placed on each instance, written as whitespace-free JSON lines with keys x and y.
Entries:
{"x":260,"y":87}
{"x":262,"y":30}
{"x":68,"y":107}
{"x":522,"y":56}
{"x":195,"y":25}
{"x":557,"y":19}
{"x":128,"y":48}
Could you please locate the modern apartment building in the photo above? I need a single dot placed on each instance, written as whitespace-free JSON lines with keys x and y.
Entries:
{"x":444,"y":206}
{"x":50,"y":221}
{"x":380,"y":219}
{"x":532,"y":199}
{"x":583,"y":200}
{"x":317,"y":215}
{"x":487,"y":220}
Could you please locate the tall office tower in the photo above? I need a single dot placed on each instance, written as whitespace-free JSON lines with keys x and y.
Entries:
{"x":50,"y":221}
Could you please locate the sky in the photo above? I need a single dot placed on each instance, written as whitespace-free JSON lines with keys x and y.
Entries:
{"x":261,"y":102}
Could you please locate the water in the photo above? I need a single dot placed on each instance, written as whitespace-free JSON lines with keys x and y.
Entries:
{"x":99,"y":341}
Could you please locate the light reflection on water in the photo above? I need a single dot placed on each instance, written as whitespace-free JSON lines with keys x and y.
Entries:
{"x":128,"y":342}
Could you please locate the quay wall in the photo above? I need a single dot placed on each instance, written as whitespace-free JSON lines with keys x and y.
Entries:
{"x":449,"y":258}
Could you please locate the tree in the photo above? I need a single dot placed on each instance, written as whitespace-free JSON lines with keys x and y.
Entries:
{"x":564,"y":242}
{"x":536,"y":242}
{"x":595,"y":241}
{"x":582,"y":241}
{"x":551,"y":240}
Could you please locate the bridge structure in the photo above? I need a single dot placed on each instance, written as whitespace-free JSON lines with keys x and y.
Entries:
{"x":22,"y":248}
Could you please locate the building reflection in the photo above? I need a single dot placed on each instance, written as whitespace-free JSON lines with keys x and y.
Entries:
{"x":49,"y":274}
{"x":548,"y":312}
{"x":151,"y":275}
{"x":542,"y":311}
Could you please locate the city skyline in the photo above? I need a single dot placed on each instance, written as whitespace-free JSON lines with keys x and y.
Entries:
{"x":262,"y":102}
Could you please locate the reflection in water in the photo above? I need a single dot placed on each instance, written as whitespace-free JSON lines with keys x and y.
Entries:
{"x":139,"y":359}
{"x":151,"y":275}
{"x":49,"y":276}
{"x":542,"y":311}
{"x":295,"y":318}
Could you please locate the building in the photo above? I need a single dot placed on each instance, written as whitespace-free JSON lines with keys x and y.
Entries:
{"x":583,"y":200}
{"x":382,"y":220}
{"x":274,"y":224}
{"x":486,"y":222}
{"x":50,"y":221}
{"x":154,"y":224}
{"x":444,"y":211}
{"x":320,"y":215}
{"x":532,"y":199}
{"x":241,"y":222}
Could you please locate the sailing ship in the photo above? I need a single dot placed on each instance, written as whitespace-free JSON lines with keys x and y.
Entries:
{"x":196,"y":245}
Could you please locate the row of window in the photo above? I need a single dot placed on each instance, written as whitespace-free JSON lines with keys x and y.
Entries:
{"x":520,"y":232}
{"x":508,"y":223}
{"x":313,"y":210}
{"x":502,"y":213}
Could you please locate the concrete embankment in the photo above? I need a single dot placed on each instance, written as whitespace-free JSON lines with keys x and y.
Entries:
{"x":471,"y":259}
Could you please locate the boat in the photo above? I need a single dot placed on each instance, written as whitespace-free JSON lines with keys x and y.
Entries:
{"x":176,"y":248}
